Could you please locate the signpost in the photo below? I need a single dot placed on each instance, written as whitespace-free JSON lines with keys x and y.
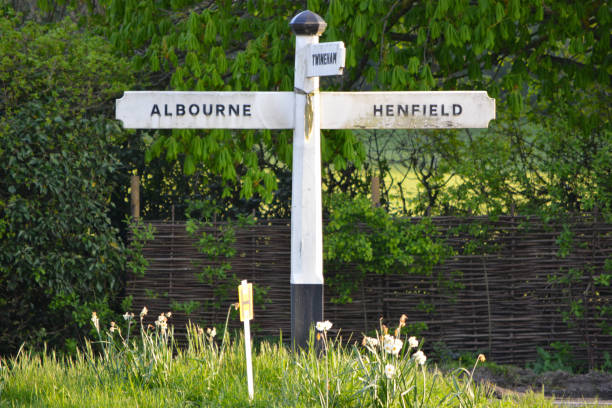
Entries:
{"x":306,"y":111}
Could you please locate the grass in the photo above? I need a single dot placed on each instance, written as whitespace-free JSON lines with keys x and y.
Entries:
{"x":148,"y":371}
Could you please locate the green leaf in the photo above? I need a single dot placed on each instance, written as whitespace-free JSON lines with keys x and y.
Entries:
{"x":189,"y":165}
{"x":499,"y":12}
{"x":210,"y":31}
{"x":413,"y":65}
{"x":172,"y":149}
{"x":515,"y":9}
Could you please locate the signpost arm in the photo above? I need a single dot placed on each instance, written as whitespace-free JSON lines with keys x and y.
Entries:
{"x":306,"y":203}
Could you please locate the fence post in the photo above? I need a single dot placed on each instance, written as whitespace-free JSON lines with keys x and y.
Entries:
{"x":375,"y":190}
{"x":135,"y":196}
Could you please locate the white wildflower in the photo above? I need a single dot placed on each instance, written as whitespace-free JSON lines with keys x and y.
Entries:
{"x":162,"y":322}
{"x":388,"y":343}
{"x":419,"y":357}
{"x":396,"y":347}
{"x":324,"y":326}
{"x":96,"y":322}
{"x":143,"y":312}
{"x":211,"y":332}
{"x":389,"y":370}
{"x":113,"y":327}
{"x":128,"y":316}
{"x":370,"y":341}
{"x":413,"y":342}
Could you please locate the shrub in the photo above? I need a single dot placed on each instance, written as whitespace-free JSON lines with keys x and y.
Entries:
{"x":60,"y":257}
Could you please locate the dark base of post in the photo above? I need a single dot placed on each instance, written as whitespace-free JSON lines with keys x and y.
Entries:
{"x":306,"y":311}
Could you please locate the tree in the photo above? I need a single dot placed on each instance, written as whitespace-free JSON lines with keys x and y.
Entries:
{"x":547,"y":65}
{"x":222,"y":46}
{"x":529,"y":55}
{"x":60,"y":257}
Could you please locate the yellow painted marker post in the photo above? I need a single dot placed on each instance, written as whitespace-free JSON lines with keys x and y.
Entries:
{"x":245,"y":299}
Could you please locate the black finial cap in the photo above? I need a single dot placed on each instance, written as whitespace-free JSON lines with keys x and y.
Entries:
{"x":308,"y":23}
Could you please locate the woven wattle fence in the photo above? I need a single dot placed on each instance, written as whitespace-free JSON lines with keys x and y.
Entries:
{"x":505,"y":304}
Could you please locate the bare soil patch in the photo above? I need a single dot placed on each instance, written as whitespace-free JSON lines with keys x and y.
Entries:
{"x":558,"y":384}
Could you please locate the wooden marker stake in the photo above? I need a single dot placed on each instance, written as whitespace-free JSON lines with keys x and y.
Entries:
{"x":245,"y":299}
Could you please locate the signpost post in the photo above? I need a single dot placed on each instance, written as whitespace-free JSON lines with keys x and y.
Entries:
{"x":306,"y":111}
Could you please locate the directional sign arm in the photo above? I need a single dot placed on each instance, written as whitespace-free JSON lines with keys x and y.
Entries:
{"x":406,"y":110}
{"x":205,"y":110}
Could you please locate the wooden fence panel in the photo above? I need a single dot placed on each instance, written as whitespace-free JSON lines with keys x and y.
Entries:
{"x":507,"y":305}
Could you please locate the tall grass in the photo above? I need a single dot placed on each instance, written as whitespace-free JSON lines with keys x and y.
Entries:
{"x":144,"y":368}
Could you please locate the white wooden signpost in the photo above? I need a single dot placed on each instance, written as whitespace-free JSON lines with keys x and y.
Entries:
{"x":306,"y":111}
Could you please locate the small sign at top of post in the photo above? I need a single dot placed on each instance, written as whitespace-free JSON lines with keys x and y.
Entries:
{"x":325,"y":59}
{"x":245,"y":298}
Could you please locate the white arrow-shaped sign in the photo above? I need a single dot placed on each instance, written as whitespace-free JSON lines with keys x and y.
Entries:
{"x":275,"y":110}
{"x":206,"y":110}
{"x":406,"y":110}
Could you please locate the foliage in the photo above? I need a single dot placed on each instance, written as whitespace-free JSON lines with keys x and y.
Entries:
{"x":546,"y":63}
{"x":550,"y":165}
{"x":60,"y":257}
{"x":216,"y":240}
{"x":560,"y":357}
{"x":592,"y":300}
{"x":212,"y":49}
{"x":141,"y":234}
{"x":361,"y":239}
